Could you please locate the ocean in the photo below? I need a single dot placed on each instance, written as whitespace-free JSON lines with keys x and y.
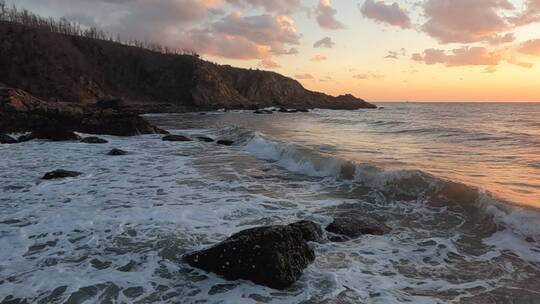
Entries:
{"x":458,"y":183}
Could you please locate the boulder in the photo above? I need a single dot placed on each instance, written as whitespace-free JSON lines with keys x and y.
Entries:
{"x":94,"y":140}
{"x":60,"y":173}
{"x":205,"y":139}
{"x":273,"y":256}
{"x":302,"y":110}
{"x":225,"y":142}
{"x":118,"y":124}
{"x":6,"y":139}
{"x":54,"y":133}
{"x":117,"y":152}
{"x":351,"y":226}
{"x":176,"y":138}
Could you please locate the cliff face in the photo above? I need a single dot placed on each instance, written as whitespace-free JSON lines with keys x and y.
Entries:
{"x":66,"y":68}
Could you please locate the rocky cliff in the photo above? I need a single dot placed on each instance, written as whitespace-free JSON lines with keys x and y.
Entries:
{"x":56,"y":67}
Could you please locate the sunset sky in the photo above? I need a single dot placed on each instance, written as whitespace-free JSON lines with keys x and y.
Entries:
{"x":432,"y":50}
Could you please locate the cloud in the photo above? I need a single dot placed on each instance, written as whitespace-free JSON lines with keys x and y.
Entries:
{"x":467,"y":56}
{"x":272,"y":6}
{"x":318,"y":58}
{"x":530,"y":47}
{"x":531,"y":14}
{"x":304,"y":76}
{"x":326,"y":16}
{"x":369,"y":75}
{"x":459,"y":57}
{"x":387,"y":13}
{"x":396,"y":54}
{"x":500,"y":39}
{"x":490,"y":69}
{"x":325,"y":42}
{"x":264,"y":30}
{"x":269,"y":64}
{"x":466,"y":21}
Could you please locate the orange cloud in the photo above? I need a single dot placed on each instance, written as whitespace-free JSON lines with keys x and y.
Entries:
{"x":304,"y":76}
{"x":466,"y":21}
{"x":369,"y":75}
{"x":530,"y":47}
{"x":459,"y":57}
{"x":318,"y":58}
{"x":326,"y":16}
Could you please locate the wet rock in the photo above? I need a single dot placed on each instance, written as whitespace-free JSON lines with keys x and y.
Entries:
{"x":6,"y":139}
{"x":263,"y":112}
{"x":352,"y":226}
{"x":302,"y":110}
{"x":57,"y":133}
{"x":225,"y":142}
{"x":273,"y":256}
{"x":311,"y":232}
{"x":93,"y":140}
{"x":176,"y":138}
{"x":529,"y":239}
{"x":60,"y":173}
{"x":110,"y":103}
{"x":205,"y":139}
{"x":117,"y":152}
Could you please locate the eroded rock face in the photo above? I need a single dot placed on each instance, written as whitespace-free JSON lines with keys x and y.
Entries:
{"x":273,"y":256}
{"x":20,"y":111}
{"x":60,"y":173}
{"x":93,"y":140}
{"x":176,"y":138}
{"x":6,"y":139}
{"x":351,"y":226}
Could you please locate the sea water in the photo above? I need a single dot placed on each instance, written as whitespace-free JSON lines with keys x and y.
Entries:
{"x":458,"y":183}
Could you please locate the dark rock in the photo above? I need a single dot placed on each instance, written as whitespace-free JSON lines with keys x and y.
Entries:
{"x":283,"y":110}
{"x":302,"y":110}
{"x":117,"y":152}
{"x":110,"y":103}
{"x":6,"y":139}
{"x":205,"y":139}
{"x":225,"y":142}
{"x":54,"y":133}
{"x":273,"y":256}
{"x":529,"y":239}
{"x":60,"y":174}
{"x":118,"y":124}
{"x":263,"y":112}
{"x":311,"y":232}
{"x":94,"y":140}
{"x":351,"y":226}
{"x":176,"y":138}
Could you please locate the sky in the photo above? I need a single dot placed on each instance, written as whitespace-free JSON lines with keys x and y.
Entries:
{"x":378,"y":50}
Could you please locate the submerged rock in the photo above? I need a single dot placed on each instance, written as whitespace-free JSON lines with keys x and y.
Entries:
{"x":60,"y":173}
{"x":273,"y":256}
{"x":225,"y":142}
{"x":351,"y":226}
{"x":117,"y":152}
{"x":94,"y":140}
{"x":6,"y":139}
{"x":176,"y":138}
{"x":205,"y":139}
